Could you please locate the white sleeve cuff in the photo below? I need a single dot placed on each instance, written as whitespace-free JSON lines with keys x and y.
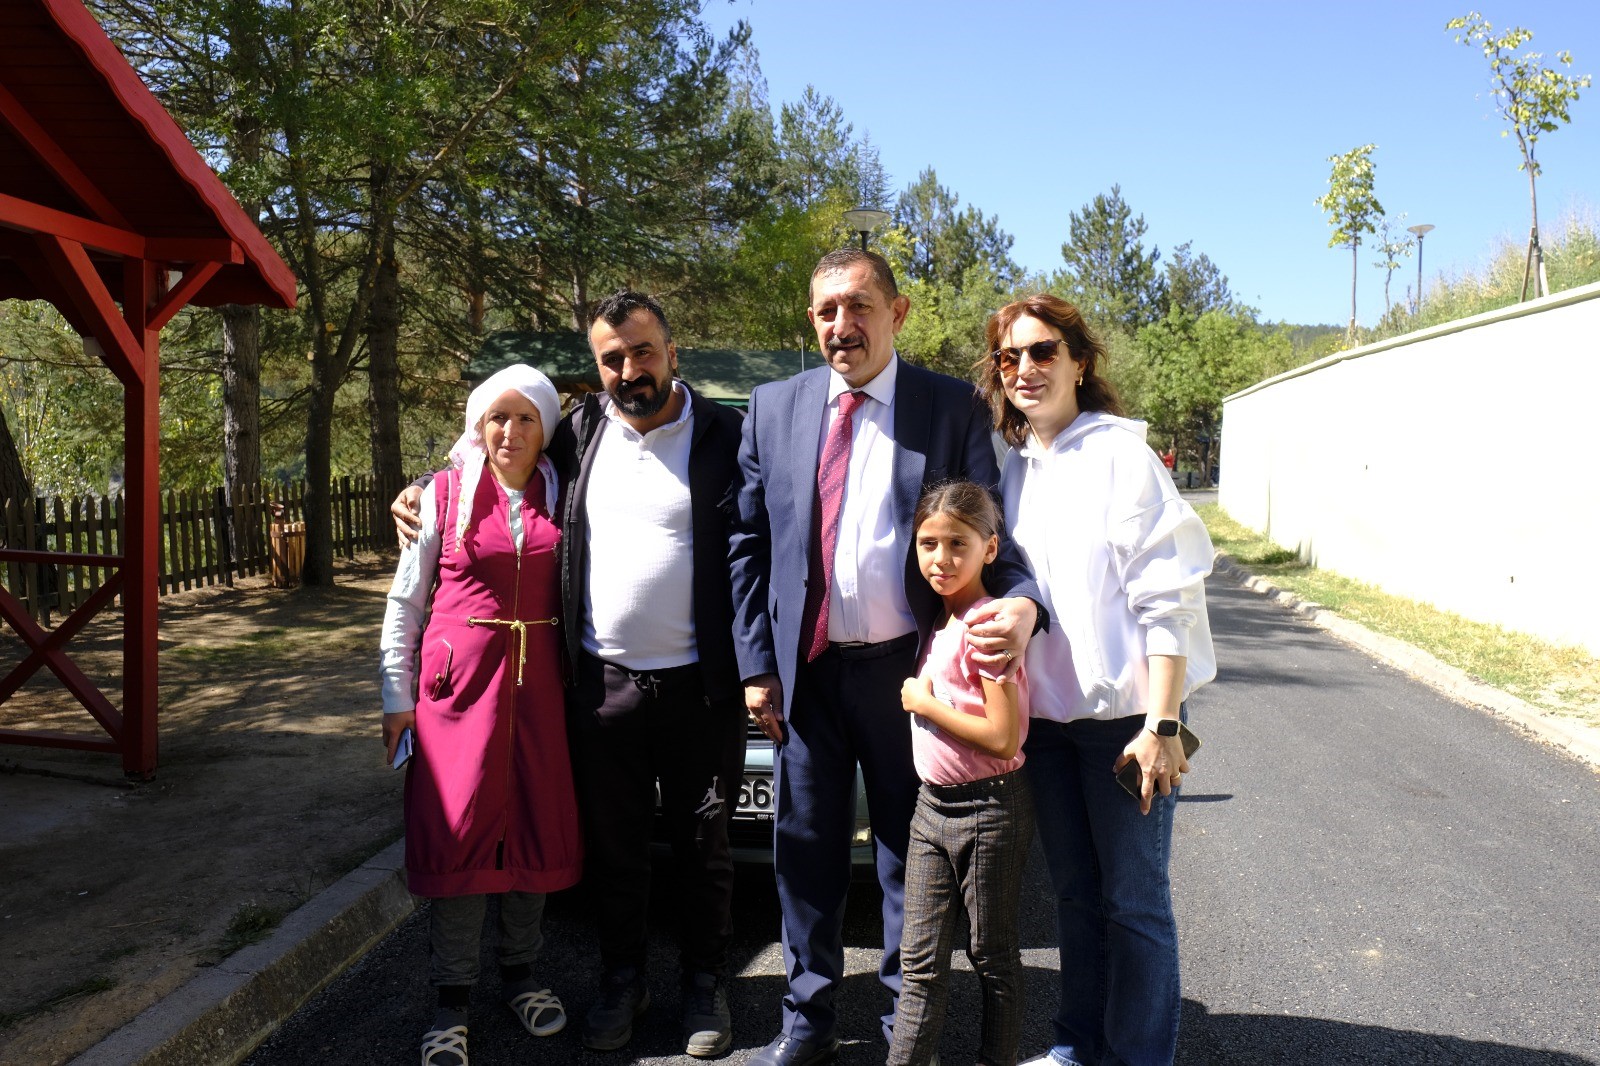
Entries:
{"x":1165,"y":638}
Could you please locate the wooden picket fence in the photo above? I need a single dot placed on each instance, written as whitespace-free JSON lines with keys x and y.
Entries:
{"x":199,"y":544}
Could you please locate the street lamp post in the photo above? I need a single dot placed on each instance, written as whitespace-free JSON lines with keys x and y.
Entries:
{"x":1421,"y":231}
{"x":864,"y":220}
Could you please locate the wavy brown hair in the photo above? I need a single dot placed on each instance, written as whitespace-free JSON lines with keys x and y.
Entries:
{"x":1095,"y":394}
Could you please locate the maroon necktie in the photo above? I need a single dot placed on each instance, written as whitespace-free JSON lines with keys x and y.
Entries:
{"x":831,"y":473}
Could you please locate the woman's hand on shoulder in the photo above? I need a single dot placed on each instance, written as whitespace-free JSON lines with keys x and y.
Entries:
{"x":999,"y":634}
{"x":406,"y":510}
{"x":1161,"y":764}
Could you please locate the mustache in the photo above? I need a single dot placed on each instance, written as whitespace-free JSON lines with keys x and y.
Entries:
{"x":840,"y":343}
{"x":637,"y":383}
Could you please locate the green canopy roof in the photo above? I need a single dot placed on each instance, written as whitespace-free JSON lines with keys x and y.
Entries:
{"x":725,"y":375}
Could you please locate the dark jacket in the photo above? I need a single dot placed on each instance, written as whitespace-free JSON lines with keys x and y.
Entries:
{"x":713,"y":467}
{"x":941,"y":430}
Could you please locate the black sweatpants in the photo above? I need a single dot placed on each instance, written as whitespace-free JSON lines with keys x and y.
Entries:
{"x":627,"y":729}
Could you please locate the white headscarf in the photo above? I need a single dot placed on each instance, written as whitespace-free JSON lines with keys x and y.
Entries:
{"x":468,"y":454}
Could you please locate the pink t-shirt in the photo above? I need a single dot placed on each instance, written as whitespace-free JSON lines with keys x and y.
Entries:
{"x":942,"y":759}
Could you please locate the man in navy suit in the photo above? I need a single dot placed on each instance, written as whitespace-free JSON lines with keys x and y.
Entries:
{"x":840,"y":455}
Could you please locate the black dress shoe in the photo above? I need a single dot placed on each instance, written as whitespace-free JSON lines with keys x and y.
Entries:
{"x":788,"y":1050}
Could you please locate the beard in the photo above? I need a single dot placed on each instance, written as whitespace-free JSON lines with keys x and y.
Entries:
{"x":642,"y":397}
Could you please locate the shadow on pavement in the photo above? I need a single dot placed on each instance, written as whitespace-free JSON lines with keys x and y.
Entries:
{"x":1207,"y":1039}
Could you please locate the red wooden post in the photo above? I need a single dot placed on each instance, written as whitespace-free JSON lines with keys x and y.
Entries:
{"x":141,"y":563}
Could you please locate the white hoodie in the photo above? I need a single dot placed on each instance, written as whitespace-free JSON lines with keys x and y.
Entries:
{"x":1121,"y":561}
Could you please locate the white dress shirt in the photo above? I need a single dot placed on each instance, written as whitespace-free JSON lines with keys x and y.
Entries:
{"x":867,"y":601}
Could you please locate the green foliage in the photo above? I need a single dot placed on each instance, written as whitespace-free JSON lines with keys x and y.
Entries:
{"x":1108,"y":274}
{"x":250,"y":924}
{"x":1194,"y":284}
{"x":943,"y":241}
{"x":773,"y":262}
{"x":1572,"y":253}
{"x":1352,"y":207}
{"x":944,"y":329}
{"x":818,"y":156}
{"x":63,"y":407}
{"x":1187,"y":364}
{"x":1394,"y":243}
{"x":1350,"y":202}
{"x":1531,"y":97}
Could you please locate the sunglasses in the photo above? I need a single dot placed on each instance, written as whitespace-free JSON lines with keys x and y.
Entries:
{"x":1043,"y":353}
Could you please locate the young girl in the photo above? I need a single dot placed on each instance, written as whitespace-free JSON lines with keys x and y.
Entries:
{"x":471,"y":667}
{"x":974,"y":818}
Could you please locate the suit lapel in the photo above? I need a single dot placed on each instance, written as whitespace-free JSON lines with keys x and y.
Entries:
{"x":912,"y":425}
{"x":810,"y":403}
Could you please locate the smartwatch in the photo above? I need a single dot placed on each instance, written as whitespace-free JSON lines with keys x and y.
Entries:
{"x":1166,"y":727}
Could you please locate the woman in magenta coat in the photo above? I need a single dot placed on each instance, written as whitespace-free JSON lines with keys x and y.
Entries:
{"x":471,"y":665}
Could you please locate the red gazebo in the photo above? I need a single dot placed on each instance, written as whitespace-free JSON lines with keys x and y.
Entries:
{"x":107,"y":212}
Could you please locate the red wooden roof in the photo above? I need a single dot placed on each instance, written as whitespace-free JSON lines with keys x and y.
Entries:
{"x":87,"y":151}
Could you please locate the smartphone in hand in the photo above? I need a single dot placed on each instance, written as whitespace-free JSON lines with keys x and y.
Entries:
{"x":1129,"y":777}
{"x":405,"y":748}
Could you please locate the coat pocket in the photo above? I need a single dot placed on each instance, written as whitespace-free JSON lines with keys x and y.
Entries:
{"x":439,"y":685}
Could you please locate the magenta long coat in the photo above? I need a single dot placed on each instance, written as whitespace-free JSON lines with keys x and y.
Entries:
{"x":489,"y":801}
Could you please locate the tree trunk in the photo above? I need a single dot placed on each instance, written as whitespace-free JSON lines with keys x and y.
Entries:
{"x":1350,"y":334}
{"x":241,"y":398}
{"x":1541,"y":282}
{"x":14,"y":483}
{"x":318,"y":568}
{"x":241,"y":326}
{"x":383,"y":383}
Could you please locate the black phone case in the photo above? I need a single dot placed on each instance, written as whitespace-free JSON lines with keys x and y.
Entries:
{"x":1128,"y":776}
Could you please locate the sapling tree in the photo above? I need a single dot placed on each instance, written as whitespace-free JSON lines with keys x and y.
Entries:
{"x":1352,"y":209}
{"x":1533,"y":99}
{"x":1394,"y":243}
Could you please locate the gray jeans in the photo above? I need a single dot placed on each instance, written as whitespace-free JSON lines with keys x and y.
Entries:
{"x":455,"y":928}
{"x":969,"y":844}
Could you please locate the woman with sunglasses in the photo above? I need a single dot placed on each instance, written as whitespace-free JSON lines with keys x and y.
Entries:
{"x":1121,"y":561}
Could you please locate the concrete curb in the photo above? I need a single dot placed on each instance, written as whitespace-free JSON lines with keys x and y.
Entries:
{"x":222,"y":1015}
{"x":1578,"y":739}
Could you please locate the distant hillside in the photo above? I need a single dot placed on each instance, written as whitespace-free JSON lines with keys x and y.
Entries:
{"x":1313,"y":342}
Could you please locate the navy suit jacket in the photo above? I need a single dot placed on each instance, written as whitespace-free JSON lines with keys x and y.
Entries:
{"x":941,"y":431}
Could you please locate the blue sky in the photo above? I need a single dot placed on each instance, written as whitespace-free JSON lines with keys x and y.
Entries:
{"x":1216,"y":119}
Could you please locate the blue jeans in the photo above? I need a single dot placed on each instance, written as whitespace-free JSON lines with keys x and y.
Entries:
{"x":1114,"y":924}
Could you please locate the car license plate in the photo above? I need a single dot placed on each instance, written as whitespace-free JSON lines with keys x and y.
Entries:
{"x":756,"y":799}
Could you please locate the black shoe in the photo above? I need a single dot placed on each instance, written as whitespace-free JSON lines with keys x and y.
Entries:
{"x":609,"y":1023}
{"x":787,"y":1050}
{"x":707,"y":1023}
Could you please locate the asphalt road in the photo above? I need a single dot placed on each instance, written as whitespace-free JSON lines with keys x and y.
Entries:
{"x":1365,"y":872}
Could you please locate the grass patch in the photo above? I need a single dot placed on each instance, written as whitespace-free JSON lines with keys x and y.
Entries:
{"x":57,"y":999}
{"x":1555,"y":677}
{"x":251,"y":924}
{"x":279,"y":642}
{"x":274,"y":641}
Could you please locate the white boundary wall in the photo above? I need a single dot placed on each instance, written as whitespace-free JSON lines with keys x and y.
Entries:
{"x":1459,"y":466}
